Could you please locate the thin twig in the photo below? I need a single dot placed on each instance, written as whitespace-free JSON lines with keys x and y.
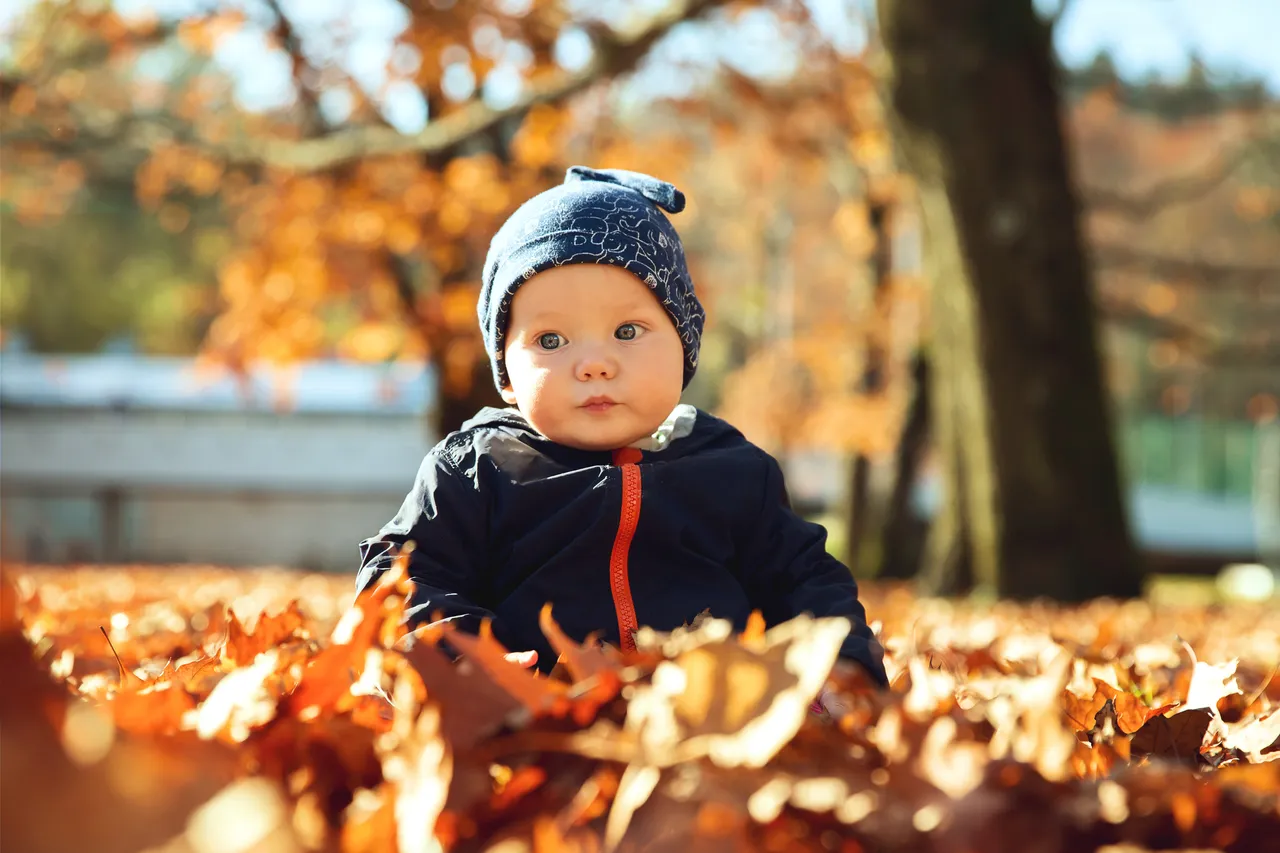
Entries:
{"x":123,"y":671}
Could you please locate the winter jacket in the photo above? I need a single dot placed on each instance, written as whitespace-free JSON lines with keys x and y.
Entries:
{"x":504,"y":520}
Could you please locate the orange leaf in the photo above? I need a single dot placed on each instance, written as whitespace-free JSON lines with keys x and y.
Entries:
{"x":476,"y":708}
{"x":189,"y":672}
{"x":1132,"y":713}
{"x":154,"y":709}
{"x":331,"y":673}
{"x":583,"y":661}
{"x":522,"y":781}
{"x":1082,"y":713}
{"x":753,"y":635}
{"x":242,"y":646}
{"x":540,"y":695}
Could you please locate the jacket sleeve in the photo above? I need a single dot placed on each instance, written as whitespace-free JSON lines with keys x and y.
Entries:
{"x":446,"y":518}
{"x":788,"y":572}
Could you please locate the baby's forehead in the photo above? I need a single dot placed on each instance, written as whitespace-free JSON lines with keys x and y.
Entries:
{"x":583,"y":289}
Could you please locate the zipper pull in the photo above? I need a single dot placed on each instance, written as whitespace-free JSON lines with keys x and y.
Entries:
{"x":627,"y":456}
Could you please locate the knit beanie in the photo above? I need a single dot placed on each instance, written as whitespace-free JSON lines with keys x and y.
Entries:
{"x":604,"y":216}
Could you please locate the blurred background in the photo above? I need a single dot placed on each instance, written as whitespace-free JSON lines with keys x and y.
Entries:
{"x":1001,"y":288}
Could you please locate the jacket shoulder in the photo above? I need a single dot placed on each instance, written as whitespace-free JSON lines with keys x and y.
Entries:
{"x":492,"y":439}
{"x":713,"y":433}
{"x":463,"y":448}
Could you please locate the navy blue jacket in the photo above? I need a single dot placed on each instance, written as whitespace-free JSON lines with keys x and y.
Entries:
{"x":504,"y":520}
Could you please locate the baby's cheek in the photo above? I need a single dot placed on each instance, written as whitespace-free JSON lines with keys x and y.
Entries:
{"x":542,"y":387}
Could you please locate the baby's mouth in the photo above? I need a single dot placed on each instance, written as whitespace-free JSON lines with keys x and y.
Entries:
{"x":598,"y":404}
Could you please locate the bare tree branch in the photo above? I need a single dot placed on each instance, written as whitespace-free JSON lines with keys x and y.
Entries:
{"x":312,"y":118}
{"x":1197,"y":270}
{"x":88,"y":58}
{"x":613,"y":55}
{"x":1055,"y":17}
{"x":1132,"y":315}
{"x":1203,"y":344}
{"x":1180,"y":190}
{"x":1241,"y":355}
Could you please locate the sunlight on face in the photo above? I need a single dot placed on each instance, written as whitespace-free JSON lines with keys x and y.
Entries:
{"x":595,"y":362}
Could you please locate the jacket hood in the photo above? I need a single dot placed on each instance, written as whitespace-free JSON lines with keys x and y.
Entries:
{"x":493,"y":417}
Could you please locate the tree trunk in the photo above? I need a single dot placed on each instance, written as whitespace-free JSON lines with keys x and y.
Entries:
{"x":903,"y":529}
{"x":871,"y":382}
{"x":1032,"y":498}
{"x":459,"y":401}
{"x":459,"y":395}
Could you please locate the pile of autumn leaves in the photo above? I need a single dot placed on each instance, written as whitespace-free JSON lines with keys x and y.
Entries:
{"x":323,"y":727}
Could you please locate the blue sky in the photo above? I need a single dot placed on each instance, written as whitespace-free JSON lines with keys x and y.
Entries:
{"x":1158,"y":35}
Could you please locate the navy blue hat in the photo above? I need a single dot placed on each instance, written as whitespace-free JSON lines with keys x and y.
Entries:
{"x":607,"y":216}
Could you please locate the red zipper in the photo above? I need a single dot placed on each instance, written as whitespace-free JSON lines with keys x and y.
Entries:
{"x":625,"y":458}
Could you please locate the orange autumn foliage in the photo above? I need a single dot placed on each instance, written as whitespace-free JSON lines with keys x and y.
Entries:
{"x":323,"y":726}
{"x":347,"y":238}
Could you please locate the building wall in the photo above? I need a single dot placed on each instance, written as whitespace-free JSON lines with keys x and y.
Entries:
{"x":94,"y":448}
{"x":234,"y":488}
{"x":318,"y":532}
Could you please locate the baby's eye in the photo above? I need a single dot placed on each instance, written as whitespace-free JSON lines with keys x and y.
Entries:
{"x":627,"y":332}
{"x":550,"y":341}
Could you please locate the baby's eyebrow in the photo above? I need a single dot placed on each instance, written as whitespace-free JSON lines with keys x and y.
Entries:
{"x":545,"y":315}
{"x":637,"y":306}
{"x":630,"y":308}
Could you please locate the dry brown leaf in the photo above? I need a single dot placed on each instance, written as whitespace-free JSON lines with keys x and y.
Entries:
{"x":541,"y":696}
{"x":1210,"y":683}
{"x":358,"y":770}
{"x":736,"y":705}
{"x":1082,"y":713}
{"x":585,"y":662}
{"x":1178,"y":737}
{"x":1258,"y":739}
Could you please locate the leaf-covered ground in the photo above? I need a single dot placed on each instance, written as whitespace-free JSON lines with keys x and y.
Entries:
{"x":267,"y":711}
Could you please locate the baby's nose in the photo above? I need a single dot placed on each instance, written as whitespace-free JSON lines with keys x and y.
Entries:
{"x":596,"y":365}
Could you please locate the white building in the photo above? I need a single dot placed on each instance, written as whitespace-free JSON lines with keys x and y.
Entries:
{"x":122,"y":458}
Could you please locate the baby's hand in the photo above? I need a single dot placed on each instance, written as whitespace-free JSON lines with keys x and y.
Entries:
{"x":525,"y":659}
{"x":829,"y":702}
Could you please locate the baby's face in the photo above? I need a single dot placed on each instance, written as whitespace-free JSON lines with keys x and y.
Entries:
{"x":594,"y":360}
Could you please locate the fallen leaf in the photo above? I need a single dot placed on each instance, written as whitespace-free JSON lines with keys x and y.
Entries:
{"x":1178,"y":737}
{"x":477,"y":707}
{"x":334,"y":715}
{"x":420,"y":771}
{"x":240,"y":702}
{"x":1082,"y":712}
{"x":242,"y":646}
{"x":541,"y":696}
{"x":1210,"y":683}
{"x":153,"y":709}
{"x":736,"y":705}
{"x":1258,"y":739}
{"x":634,"y":789}
{"x":584,"y":662}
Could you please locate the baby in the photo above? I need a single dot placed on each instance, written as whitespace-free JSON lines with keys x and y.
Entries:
{"x":599,"y":491}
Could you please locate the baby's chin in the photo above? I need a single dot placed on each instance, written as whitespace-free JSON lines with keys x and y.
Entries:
{"x":596,"y":439}
{"x":595,"y":446}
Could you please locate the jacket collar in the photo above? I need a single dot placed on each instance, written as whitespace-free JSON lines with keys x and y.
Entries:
{"x":675,"y":431}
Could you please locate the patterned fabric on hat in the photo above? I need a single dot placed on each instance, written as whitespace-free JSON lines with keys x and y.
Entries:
{"x":608,"y":216}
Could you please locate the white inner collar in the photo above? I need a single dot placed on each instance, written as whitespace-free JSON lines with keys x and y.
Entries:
{"x":677,"y":425}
